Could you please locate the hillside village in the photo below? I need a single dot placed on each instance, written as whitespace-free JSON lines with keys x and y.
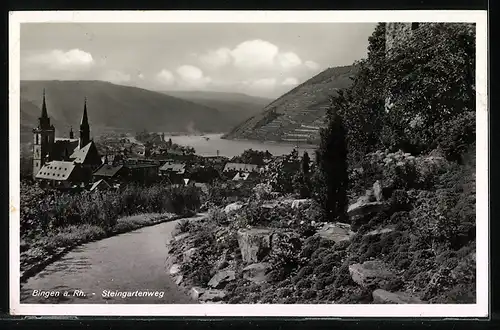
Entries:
{"x":385,"y":213}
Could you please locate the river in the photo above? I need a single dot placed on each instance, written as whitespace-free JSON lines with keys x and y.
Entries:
{"x":231,"y":148}
{"x":93,"y":272}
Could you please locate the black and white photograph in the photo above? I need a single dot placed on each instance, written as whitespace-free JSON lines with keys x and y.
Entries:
{"x":198,"y":163}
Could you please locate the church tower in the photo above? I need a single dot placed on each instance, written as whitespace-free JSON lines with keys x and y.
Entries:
{"x":84,"y":128}
{"x":43,"y":139}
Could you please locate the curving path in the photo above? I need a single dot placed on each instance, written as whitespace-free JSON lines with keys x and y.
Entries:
{"x":129,"y":262}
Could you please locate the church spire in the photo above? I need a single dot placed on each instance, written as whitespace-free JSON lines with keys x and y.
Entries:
{"x":85,"y":120}
{"x":44,"y":121}
{"x":84,"y":127}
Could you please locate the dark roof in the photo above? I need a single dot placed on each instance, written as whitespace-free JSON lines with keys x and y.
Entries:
{"x":108,"y":170}
{"x":56,"y":170}
{"x":141,"y":165}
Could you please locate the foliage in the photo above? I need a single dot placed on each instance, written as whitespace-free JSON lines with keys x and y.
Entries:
{"x":43,"y":210}
{"x":251,"y":156}
{"x":332,"y":176}
{"x":426,"y":84}
{"x":263,"y":191}
{"x":282,"y":171}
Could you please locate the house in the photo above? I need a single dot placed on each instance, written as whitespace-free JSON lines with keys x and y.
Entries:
{"x":59,"y":174}
{"x":111,"y":173}
{"x":173,"y":172}
{"x":241,"y":167}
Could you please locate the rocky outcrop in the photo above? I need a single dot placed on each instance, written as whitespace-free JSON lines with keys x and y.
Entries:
{"x":257,"y":273}
{"x":336,"y":232}
{"x":254,"y":244}
{"x":385,"y":297}
{"x":299,"y":202}
{"x":206,"y":295}
{"x":220,"y":279}
{"x":380,"y":231}
{"x":363,"y":207}
{"x":377,"y":191}
{"x":371,"y":274}
{"x":233,"y":207}
{"x":175,"y":269}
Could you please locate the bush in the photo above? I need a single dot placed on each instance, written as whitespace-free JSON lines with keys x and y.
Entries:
{"x":43,"y":210}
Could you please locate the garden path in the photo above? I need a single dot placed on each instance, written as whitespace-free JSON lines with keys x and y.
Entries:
{"x":129,"y":262}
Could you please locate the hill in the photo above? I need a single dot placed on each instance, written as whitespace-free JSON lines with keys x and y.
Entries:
{"x":296,"y":116}
{"x":237,"y":107}
{"x":114,"y":108}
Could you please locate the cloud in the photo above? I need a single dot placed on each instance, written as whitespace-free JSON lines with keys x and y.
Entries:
{"x":289,"y":60}
{"x":254,"y":54}
{"x":312,"y":65}
{"x":290,"y":81}
{"x":217,"y":58}
{"x":141,"y":76}
{"x":115,"y":76}
{"x":56,"y":59}
{"x":192,"y":77}
{"x":250,"y":55}
{"x":165,"y":77}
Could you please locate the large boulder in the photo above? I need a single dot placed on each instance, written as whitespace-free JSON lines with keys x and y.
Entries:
{"x":175,"y":269}
{"x":385,"y":297}
{"x":220,"y":279}
{"x":299,"y":202}
{"x":380,"y":231}
{"x":363,"y":207}
{"x":196,"y":292}
{"x":212,"y":295}
{"x":371,"y":274}
{"x":254,"y":244}
{"x":336,"y":232}
{"x":233,"y":207}
{"x":257,"y":273}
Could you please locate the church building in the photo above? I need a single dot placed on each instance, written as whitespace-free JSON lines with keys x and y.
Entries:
{"x":63,"y":162}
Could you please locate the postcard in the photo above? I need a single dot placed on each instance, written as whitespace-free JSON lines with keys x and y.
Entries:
{"x":298,"y":164}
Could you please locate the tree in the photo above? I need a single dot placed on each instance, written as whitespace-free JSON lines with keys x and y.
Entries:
{"x":331,"y":179}
{"x":306,"y":164}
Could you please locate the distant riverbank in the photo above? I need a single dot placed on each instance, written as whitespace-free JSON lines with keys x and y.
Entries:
{"x":213,"y":144}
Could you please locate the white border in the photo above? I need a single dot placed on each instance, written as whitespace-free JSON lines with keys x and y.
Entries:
{"x":480,"y":309}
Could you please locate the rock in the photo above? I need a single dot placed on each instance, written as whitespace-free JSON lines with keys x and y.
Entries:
{"x":362,"y":208}
{"x":385,"y":297}
{"x":336,"y":232}
{"x":178,"y":279}
{"x":257,"y":273}
{"x":298,"y":202}
{"x":377,"y":191}
{"x":233,"y":207}
{"x":181,"y":237}
{"x":196,"y":292}
{"x":187,"y":256}
{"x":212,"y":295}
{"x":371,"y":274}
{"x":221,"y":278}
{"x":175,"y":269}
{"x":380,"y":231}
{"x":254,"y":244}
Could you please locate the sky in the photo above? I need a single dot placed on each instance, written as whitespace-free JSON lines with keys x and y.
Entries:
{"x":260,"y":59}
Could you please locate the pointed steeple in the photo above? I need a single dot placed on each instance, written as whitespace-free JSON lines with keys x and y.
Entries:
{"x":84,"y":127}
{"x":44,"y":120}
{"x":71,"y":134}
{"x":85,"y":120}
